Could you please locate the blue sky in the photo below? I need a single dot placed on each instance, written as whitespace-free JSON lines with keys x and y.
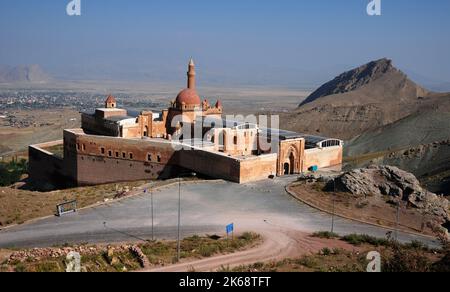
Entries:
{"x":276,"y":42}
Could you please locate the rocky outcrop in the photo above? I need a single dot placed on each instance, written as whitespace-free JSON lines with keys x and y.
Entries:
{"x":353,"y":79}
{"x":398,"y":185}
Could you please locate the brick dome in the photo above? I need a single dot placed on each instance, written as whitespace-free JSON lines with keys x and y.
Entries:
{"x":188,"y":97}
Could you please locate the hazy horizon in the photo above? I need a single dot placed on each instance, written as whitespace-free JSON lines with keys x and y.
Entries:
{"x":285,"y":43}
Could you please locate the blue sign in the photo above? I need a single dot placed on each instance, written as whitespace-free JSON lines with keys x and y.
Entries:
{"x":230,"y":228}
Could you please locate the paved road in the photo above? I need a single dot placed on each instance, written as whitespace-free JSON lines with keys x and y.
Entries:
{"x":206,"y":209}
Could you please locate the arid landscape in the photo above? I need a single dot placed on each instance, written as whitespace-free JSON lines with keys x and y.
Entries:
{"x":231,"y":140}
{"x":385,"y":118}
{"x":23,"y":123}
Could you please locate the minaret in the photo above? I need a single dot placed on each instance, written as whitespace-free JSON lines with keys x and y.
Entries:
{"x":191,"y":75}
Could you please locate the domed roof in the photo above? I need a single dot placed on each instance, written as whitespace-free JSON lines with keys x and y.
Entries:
{"x":188,"y":97}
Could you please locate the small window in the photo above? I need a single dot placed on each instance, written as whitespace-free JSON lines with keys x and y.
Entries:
{"x":83,"y":147}
{"x":78,"y":147}
{"x":131,"y":155}
{"x":102,"y":150}
{"x":235,"y":140}
{"x":117,"y":154}
{"x":124,"y":155}
{"x":149,"y":157}
{"x":110,"y":153}
{"x":159,"y":158}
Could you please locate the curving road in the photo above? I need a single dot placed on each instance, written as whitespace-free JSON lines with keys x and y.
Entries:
{"x":206,"y":208}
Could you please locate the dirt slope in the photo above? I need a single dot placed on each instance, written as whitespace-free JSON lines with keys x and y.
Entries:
{"x":418,"y":129}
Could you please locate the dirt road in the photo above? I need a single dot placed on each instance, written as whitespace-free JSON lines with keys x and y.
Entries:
{"x":277,"y":244}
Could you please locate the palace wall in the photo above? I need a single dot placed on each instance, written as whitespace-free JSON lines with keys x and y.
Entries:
{"x":258,"y":168}
{"x":44,"y":167}
{"x":323,"y":157}
{"x":98,"y":160}
{"x":99,"y":126}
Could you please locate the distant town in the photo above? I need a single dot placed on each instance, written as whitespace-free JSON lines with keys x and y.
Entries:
{"x":11,"y":102}
{"x":38,"y":99}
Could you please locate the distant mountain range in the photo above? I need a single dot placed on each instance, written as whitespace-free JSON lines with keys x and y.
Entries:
{"x":23,"y":74}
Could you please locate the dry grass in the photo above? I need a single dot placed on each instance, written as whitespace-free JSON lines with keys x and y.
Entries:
{"x":395,"y":257}
{"x":371,"y":209}
{"x":19,"y":206}
{"x":158,"y":253}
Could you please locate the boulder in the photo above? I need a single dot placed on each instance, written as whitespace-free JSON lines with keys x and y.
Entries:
{"x":395,"y":183}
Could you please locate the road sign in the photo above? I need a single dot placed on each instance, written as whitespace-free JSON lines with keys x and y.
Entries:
{"x":230,"y":228}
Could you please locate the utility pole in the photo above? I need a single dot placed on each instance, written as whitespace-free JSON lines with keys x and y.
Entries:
{"x":179,"y":215}
{"x":334,"y":206}
{"x":153,"y":226}
{"x":397,"y":221}
{"x":179,"y":219}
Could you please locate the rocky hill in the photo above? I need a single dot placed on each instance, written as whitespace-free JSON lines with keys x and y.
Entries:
{"x":363,"y":99}
{"x":23,"y":74}
{"x":355,"y":79}
{"x":375,"y":82}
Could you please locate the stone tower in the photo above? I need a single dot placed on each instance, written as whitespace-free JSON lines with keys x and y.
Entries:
{"x":110,"y":102}
{"x":191,"y":75}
